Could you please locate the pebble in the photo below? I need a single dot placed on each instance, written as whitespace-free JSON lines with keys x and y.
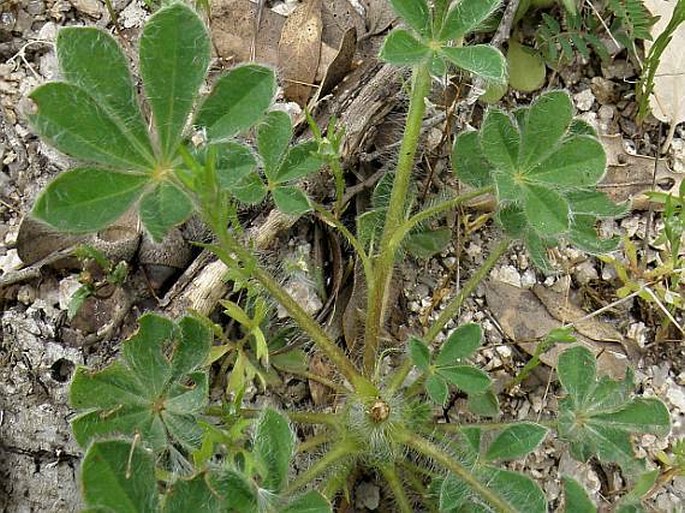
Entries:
{"x":10,"y":261}
{"x":367,"y":495}
{"x":26,"y":294}
{"x":67,"y":287}
{"x":507,"y":274}
{"x":584,"y":100}
{"x":676,"y":396}
{"x":585,"y":272}
{"x":604,"y":90}
{"x":528,"y":279}
{"x":90,"y":8}
{"x":637,"y":331}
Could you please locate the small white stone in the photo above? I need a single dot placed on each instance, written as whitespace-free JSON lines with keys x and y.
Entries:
{"x":10,"y":261}
{"x":26,"y":294}
{"x":584,"y":100}
{"x":507,"y":274}
{"x":528,"y":279}
{"x":585,"y":272}
{"x":637,"y":331}
{"x":676,"y":396}
{"x":67,"y":287}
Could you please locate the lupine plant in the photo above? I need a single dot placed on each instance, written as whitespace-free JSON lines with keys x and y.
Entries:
{"x":154,"y":442}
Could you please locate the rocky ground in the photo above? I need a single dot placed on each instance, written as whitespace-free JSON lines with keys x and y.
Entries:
{"x":39,"y":347}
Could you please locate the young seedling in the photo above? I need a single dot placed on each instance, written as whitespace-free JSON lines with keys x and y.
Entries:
{"x":152,"y":441}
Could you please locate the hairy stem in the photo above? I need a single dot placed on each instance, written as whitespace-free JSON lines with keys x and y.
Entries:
{"x":383,"y":264}
{"x":340,"y":451}
{"x":437,"y":454}
{"x":452,"y":309}
{"x":351,"y":239}
{"x":314,"y":442}
{"x":397,"y":488}
{"x":229,"y":244}
{"x":490,"y":426}
{"x":433,"y":211}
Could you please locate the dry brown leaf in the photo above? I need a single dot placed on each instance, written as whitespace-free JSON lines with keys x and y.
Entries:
{"x":379,"y":16}
{"x":336,"y":69}
{"x":668,"y":99}
{"x":320,"y":367}
{"x":299,"y":50}
{"x":525,"y":320}
{"x":338,"y":16}
{"x":233,"y":30}
{"x":628,"y":176}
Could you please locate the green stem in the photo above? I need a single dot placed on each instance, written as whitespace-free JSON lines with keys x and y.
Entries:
{"x":339,"y":177}
{"x":354,"y":241}
{"x":342,"y":450}
{"x":383,"y":264}
{"x":434,"y":211}
{"x":328,"y":419}
{"x":337,"y":387}
{"x":306,"y":322}
{"x":438,"y":455}
{"x":396,"y":486}
{"x":490,"y":426}
{"x":452,"y":309}
{"x":313,"y":442}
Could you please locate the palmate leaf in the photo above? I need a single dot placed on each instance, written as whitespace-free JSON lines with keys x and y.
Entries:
{"x":516,"y":441}
{"x":174,"y":57}
{"x":291,"y":200}
{"x":461,"y":343}
{"x":419,"y":354}
{"x":155,"y":390}
{"x":468,"y":160}
{"x":517,"y":491}
{"x":273,"y":138}
{"x":598,"y":416}
{"x":500,"y":139}
{"x":310,"y":502}
{"x":579,"y":162}
{"x":546,"y":210}
{"x":237,"y":101}
{"x":545,"y":124}
{"x":575,"y":498}
{"x":485,"y":61}
{"x":274,"y":443}
{"x":162,"y":208}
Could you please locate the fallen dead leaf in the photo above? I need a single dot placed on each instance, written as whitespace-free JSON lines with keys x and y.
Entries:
{"x":526,"y":320}
{"x":320,"y":393}
{"x":337,"y":68}
{"x":668,"y":98}
{"x":629,"y":176}
{"x":233,"y":31}
{"x":299,"y":50}
{"x":379,"y":16}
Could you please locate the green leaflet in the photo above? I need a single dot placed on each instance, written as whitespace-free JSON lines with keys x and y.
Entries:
{"x":85,"y":200}
{"x":237,"y":101}
{"x":174,"y":56}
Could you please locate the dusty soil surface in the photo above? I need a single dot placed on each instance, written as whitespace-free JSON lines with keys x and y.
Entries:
{"x":40,"y":347}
